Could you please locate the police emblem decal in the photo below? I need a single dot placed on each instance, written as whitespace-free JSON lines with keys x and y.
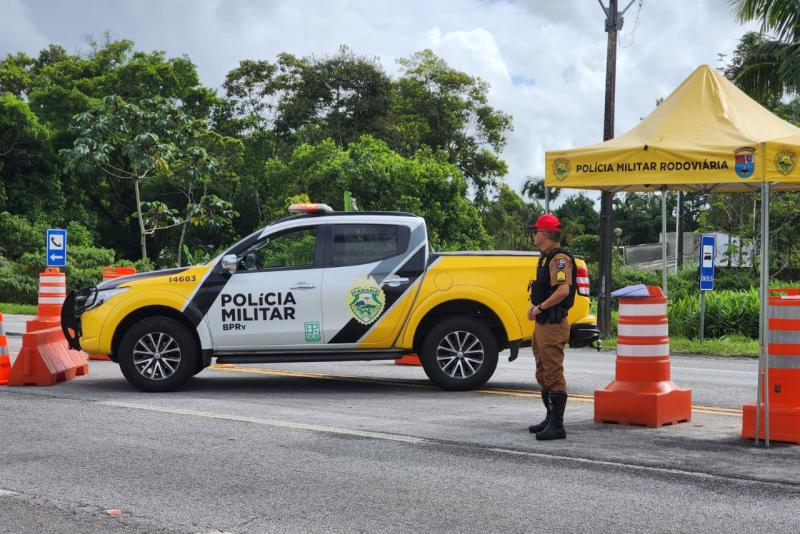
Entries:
{"x":785,"y":160}
{"x":561,"y":168}
{"x":365,"y":300}
{"x":745,"y":158}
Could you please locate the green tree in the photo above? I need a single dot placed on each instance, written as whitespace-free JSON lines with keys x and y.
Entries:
{"x":130,"y":143}
{"x":578,"y":212}
{"x":381,"y":179}
{"x":447,"y":110}
{"x":769,"y":66}
{"x":341,"y":97}
{"x":639,"y":217}
{"x":533,"y":188}
{"x":505,"y":219}
{"x":28,"y":183}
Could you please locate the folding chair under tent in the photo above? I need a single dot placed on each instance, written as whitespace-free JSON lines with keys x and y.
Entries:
{"x":708,"y":136}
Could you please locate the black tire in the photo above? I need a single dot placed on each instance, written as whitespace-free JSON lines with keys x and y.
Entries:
{"x":158,"y":373}
{"x":459,"y":371}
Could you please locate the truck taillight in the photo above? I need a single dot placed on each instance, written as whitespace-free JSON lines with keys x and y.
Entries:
{"x":583,"y":281}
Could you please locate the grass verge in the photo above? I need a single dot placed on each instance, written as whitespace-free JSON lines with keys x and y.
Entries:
{"x":726,"y":346}
{"x":23,"y":309}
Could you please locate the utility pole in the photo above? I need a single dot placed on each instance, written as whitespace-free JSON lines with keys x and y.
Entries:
{"x":614,"y":22}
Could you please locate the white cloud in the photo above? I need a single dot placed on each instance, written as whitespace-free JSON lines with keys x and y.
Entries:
{"x":545,"y":60}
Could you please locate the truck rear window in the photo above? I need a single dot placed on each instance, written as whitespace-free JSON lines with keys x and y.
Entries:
{"x":355,"y":244}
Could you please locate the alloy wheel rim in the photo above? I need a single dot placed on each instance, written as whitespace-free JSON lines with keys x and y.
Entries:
{"x":156,"y":356}
{"x":460,"y":354}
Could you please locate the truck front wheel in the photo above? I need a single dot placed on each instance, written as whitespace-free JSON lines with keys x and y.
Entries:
{"x":459,"y":354}
{"x":157,"y":354}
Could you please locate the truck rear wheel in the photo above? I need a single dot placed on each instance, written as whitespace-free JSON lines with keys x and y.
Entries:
{"x":158,"y":354}
{"x":459,"y":353}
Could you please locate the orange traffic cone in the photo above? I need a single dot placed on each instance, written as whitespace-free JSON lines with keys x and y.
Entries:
{"x":408,"y":359}
{"x":783,"y":349}
{"x":642,"y":392}
{"x":5,"y":357}
{"x":52,"y":292}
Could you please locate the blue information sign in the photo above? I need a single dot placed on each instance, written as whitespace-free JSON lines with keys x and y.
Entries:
{"x":707,"y":254}
{"x":56,"y":247}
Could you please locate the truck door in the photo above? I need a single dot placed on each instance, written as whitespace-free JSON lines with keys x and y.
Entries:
{"x":369,"y":282}
{"x":272,"y":301}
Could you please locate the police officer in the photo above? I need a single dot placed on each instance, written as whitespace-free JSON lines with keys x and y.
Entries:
{"x":552,"y":295}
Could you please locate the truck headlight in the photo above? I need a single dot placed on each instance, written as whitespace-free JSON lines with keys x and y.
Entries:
{"x":103,"y":295}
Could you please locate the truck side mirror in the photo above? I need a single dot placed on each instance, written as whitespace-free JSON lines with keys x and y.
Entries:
{"x":229,"y":263}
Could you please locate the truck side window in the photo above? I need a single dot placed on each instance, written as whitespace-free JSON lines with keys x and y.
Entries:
{"x":292,"y":249}
{"x":354,"y":244}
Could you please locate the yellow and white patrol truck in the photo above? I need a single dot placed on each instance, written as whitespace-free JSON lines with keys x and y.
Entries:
{"x":319,"y":286}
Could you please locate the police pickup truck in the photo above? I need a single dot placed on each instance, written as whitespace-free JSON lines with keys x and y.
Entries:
{"x":319,"y":286}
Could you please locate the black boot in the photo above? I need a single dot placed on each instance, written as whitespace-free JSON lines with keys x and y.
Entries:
{"x":533,"y":429}
{"x":555,"y":429}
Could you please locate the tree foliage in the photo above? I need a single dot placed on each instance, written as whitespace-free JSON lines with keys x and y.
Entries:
{"x":131,"y":152}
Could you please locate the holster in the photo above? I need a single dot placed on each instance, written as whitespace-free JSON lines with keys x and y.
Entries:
{"x":552,"y":316}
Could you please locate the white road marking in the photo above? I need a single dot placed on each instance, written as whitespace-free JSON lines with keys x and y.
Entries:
{"x":429,"y":441}
{"x":7,"y":493}
{"x":715,"y":370}
{"x":268,"y":422}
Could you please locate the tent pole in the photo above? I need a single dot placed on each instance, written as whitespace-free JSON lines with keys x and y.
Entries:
{"x":664,"y":233}
{"x":678,"y":235}
{"x":765,"y":306}
{"x":763,"y":357}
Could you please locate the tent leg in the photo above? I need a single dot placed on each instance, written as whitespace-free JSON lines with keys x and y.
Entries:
{"x":763,"y":355}
{"x":664,"y":244}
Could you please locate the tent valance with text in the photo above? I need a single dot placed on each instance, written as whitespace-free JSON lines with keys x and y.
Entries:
{"x":707,"y":135}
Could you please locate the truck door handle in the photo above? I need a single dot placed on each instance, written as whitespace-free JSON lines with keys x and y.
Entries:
{"x":302,"y":285}
{"x":394,"y":281}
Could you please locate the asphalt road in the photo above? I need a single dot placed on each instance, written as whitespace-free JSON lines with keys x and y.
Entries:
{"x":372,"y":447}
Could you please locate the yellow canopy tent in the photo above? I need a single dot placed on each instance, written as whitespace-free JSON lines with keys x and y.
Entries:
{"x":706,"y":136}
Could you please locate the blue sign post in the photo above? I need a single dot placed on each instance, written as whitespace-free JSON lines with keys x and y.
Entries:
{"x":707,"y":256}
{"x":56,"y":247}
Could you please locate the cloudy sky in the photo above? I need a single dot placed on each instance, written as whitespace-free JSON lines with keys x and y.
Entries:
{"x":544,"y":59}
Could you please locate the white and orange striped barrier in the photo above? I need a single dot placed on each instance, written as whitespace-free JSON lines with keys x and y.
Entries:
{"x":45,"y":357}
{"x":52,"y":292}
{"x":642,"y":392}
{"x":783,"y":364}
{"x":5,"y":357}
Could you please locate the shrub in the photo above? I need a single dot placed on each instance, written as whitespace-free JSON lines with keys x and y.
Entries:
{"x":587,"y":246}
{"x":727,"y":313}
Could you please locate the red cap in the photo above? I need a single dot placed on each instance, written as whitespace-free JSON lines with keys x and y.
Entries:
{"x":547,"y":222}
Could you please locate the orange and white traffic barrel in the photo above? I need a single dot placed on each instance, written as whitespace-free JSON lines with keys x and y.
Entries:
{"x":5,"y":357}
{"x":52,"y":292}
{"x":642,"y":392}
{"x":110,"y":273}
{"x":783,"y":364}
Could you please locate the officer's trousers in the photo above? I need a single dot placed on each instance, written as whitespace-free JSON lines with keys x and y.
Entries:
{"x":548,"y":344}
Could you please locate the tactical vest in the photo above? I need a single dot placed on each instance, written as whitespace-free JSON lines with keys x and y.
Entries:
{"x":541,"y":288}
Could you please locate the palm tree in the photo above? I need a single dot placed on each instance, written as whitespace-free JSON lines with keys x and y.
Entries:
{"x":571,"y":228}
{"x":770,"y":65}
{"x":533,"y":188}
